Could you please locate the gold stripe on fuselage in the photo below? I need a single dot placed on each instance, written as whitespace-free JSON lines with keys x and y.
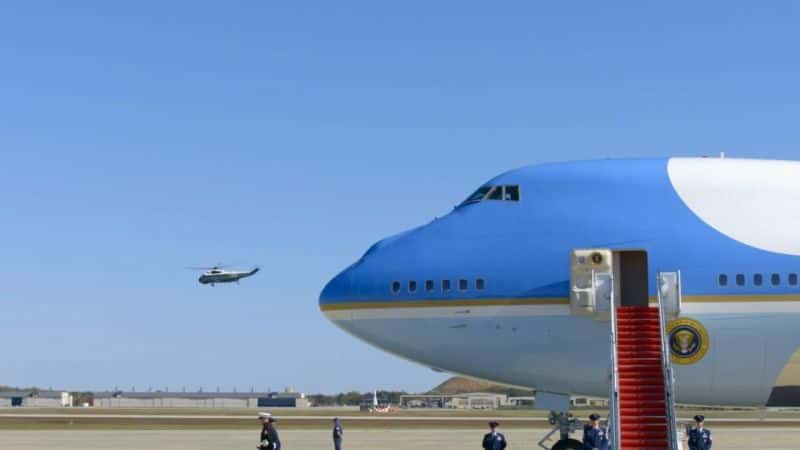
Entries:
{"x":444,"y":303}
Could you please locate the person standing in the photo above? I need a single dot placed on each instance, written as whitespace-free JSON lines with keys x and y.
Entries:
{"x":269,"y":435}
{"x":338,"y":434}
{"x":595,"y":437}
{"x":494,"y":440}
{"x":699,"y":436}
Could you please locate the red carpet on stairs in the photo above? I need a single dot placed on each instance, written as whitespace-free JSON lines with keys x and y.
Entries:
{"x":643,"y":421}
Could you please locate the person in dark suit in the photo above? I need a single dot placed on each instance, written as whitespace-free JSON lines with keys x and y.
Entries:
{"x":494,"y":440}
{"x":269,"y":435}
{"x":595,"y":437}
{"x":699,"y":436}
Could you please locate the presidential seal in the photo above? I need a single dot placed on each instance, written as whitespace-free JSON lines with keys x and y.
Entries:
{"x":688,"y":341}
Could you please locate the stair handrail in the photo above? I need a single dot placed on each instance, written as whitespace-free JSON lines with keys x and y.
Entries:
{"x":666,"y":364}
{"x":613,"y":398}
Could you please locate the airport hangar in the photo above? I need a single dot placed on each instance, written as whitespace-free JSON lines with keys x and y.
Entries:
{"x":35,"y":398}
{"x":161,"y":399}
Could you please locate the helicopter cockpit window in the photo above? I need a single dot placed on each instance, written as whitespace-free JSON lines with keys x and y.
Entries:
{"x":509,"y":193}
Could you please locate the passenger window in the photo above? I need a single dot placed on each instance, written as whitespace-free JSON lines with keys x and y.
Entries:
{"x":446,"y":285}
{"x":775,"y":279}
{"x":723,"y":279}
{"x":463,"y":285}
{"x":395,"y":287}
{"x":739,"y":279}
{"x":429,"y":285}
{"x":480,"y":284}
{"x":496,"y":194}
{"x":793,"y":279}
{"x":758,"y":279}
{"x":412,"y":286}
{"x":512,"y":193}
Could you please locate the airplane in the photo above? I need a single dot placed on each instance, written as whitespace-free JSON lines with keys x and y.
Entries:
{"x":215,"y":274}
{"x":489,"y":290}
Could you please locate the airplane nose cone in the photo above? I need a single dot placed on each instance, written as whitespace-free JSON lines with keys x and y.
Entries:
{"x":365,"y":279}
{"x":337,"y":290}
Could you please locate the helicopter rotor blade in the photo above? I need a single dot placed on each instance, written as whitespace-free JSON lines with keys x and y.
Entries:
{"x":219,"y":266}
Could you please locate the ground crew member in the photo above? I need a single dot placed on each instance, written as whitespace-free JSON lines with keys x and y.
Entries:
{"x":338,"y":434}
{"x":494,"y":440}
{"x":269,"y":435}
{"x":595,"y":437}
{"x":699,"y":436}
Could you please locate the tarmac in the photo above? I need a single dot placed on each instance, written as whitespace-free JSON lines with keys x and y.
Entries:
{"x":733,"y":437}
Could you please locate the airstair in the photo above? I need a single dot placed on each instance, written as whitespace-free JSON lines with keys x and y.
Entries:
{"x":642,"y":393}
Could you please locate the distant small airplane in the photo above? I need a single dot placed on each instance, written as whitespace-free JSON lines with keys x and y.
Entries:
{"x":215,"y":274}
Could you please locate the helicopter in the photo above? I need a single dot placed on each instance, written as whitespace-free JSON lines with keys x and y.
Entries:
{"x":215,"y":274}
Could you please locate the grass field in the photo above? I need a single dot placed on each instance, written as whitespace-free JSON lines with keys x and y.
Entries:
{"x":307,"y":419}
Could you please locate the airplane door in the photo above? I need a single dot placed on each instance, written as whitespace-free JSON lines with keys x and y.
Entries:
{"x":669,"y":292}
{"x":632,"y":288}
{"x":600,"y":276}
{"x":591,"y":281}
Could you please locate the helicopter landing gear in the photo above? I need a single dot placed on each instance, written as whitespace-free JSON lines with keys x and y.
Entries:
{"x":565,"y":424}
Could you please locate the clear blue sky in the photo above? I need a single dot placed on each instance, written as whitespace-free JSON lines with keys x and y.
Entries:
{"x":137,"y":138}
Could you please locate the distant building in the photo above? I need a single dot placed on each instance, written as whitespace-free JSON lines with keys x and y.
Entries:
{"x":159,"y":399}
{"x":35,"y":398}
{"x":474,"y":400}
{"x":583,"y":401}
{"x":288,"y":399}
{"x":486,"y":400}
{"x":522,"y":402}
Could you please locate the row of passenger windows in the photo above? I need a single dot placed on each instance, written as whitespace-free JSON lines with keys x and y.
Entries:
{"x":757,"y":279}
{"x":508,"y":193}
{"x":443,"y":285}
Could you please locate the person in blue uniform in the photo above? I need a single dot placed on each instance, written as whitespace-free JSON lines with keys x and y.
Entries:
{"x":595,"y":437}
{"x":338,"y":434}
{"x":699,"y":436}
{"x":494,"y":440}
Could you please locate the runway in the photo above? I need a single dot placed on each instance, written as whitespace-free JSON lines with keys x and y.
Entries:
{"x":358,"y":439}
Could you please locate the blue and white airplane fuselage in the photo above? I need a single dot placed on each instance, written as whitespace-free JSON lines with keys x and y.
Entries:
{"x":485,"y":290}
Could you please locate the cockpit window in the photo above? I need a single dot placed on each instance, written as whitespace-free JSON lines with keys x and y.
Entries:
{"x":509,"y":193}
{"x":477,"y":195}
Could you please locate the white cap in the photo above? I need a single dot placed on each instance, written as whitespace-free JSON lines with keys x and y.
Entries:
{"x":264,"y":415}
